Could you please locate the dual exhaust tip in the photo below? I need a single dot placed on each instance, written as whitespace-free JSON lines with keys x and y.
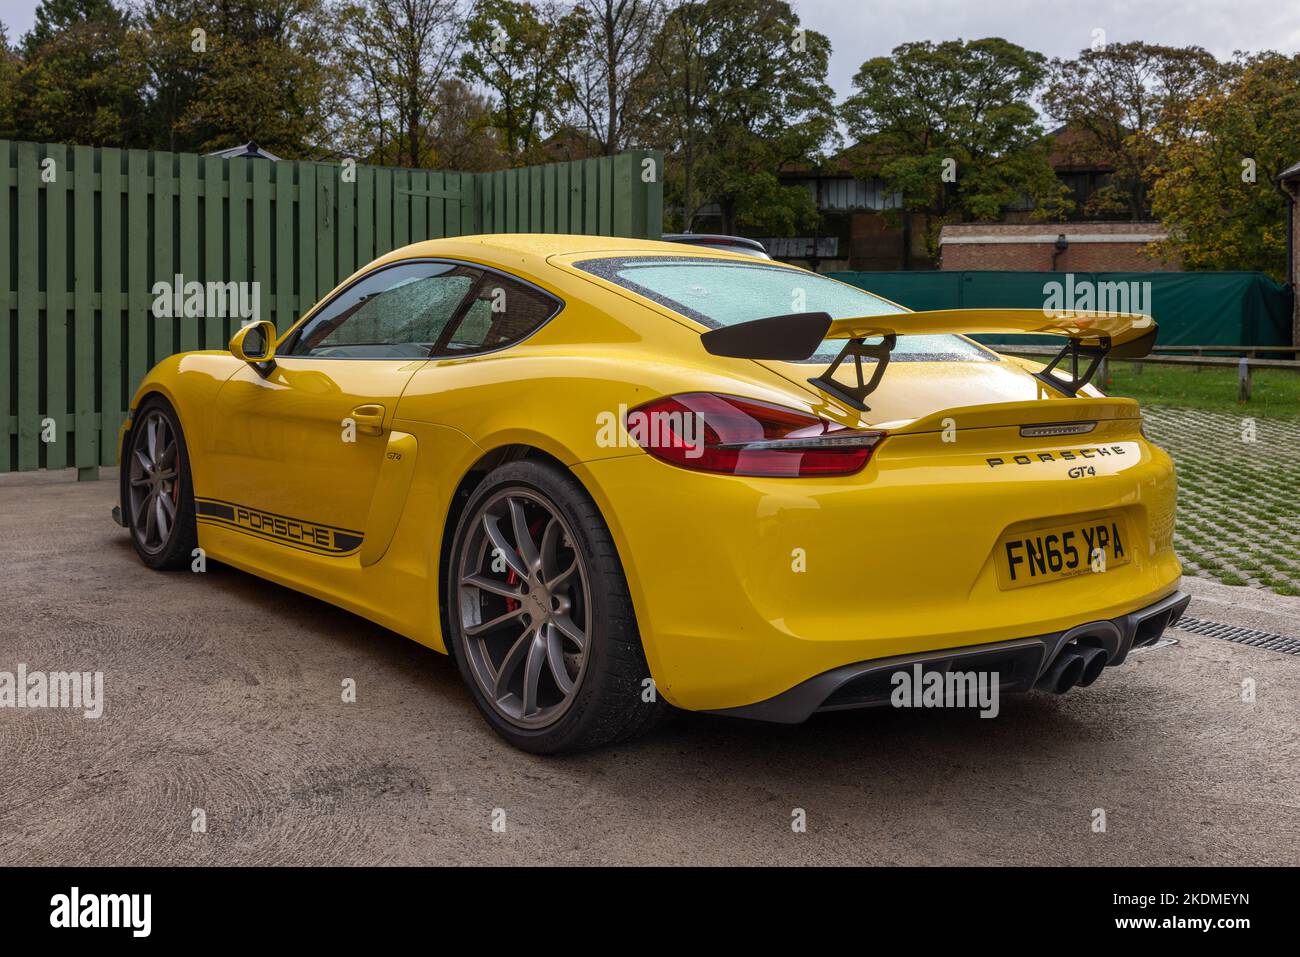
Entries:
{"x":1076,"y":664}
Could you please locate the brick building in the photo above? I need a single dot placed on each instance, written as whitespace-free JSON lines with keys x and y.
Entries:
{"x":1065,"y":247}
{"x":862,"y":223}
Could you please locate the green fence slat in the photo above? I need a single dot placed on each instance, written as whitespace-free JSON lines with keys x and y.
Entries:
{"x":402,"y":208}
{"x":383,"y":211}
{"x":577,"y":193}
{"x":8,"y":340}
{"x":326,"y":225}
{"x":561,"y":197}
{"x":85,"y":426}
{"x":419,"y":206}
{"x":624,"y":196}
{"x":547,"y":224}
{"x":163,"y":276}
{"x":137,"y":268}
{"x":57,"y":453}
{"x":438,"y":206}
{"x":365,"y":216}
{"x":536,"y":194}
{"x":214,"y":247}
{"x":347,"y":227}
{"x":606,"y":202}
{"x":653,"y":197}
{"x":517,"y":202}
{"x":28,"y":317}
{"x":468,"y":222}
{"x":306,"y":237}
{"x":266,"y":226}
{"x":238,"y":261}
{"x":188,"y":210}
{"x":285,"y":293}
{"x":111,"y":244}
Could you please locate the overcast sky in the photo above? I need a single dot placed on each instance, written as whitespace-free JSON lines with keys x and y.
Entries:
{"x":860,"y":29}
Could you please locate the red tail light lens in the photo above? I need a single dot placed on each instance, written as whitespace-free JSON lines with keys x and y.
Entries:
{"x":734,"y":436}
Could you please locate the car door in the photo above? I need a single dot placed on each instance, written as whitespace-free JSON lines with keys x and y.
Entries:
{"x":298,"y":443}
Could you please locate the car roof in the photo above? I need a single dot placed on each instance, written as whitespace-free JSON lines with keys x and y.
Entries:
{"x":542,"y":244}
{"x":535,"y":252}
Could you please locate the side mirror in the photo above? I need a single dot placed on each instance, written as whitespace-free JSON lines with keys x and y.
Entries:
{"x":254,"y":343}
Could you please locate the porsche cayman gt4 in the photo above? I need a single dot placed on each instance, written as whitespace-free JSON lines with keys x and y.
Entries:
{"x":612,"y":476}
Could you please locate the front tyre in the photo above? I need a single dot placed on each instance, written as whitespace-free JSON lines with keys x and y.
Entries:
{"x":539,"y":616}
{"x":157,"y":492}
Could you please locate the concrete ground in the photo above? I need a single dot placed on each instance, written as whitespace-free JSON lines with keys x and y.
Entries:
{"x":223,"y":694}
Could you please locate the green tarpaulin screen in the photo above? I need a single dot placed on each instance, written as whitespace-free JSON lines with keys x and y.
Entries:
{"x":1191,"y":308}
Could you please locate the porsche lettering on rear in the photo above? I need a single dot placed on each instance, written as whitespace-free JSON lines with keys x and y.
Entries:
{"x":1061,"y":455}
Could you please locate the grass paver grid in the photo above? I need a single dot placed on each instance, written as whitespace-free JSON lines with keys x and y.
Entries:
{"x":1238,"y":494}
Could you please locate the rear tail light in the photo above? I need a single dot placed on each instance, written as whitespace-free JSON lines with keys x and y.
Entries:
{"x":734,"y":436}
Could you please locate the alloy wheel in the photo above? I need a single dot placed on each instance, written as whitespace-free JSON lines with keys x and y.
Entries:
{"x":525,"y":608}
{"x":154,"y":486}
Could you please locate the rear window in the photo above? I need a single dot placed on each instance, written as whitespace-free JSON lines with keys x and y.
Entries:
{"x":719,"y":293}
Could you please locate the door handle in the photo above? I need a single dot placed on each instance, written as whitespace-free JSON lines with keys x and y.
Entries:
{"x":369,"y":419}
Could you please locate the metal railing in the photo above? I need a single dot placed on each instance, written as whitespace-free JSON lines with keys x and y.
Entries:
{"x":1245,"y":365}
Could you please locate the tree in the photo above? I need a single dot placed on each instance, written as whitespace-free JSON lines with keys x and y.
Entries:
{"x":513,"y":50}
{"x":1131,"y":101}
{"x":676,"y":73}
{"x":268,"y":72}
{"x":10,"y":68}
{"x":462,"y":137}
{"x":76,"y":85}
{"x":951,"y":128}
{"x":603,"y":71}
{"x":738,"y":89}
{"x":174,"y":68}
{"x":401,"y":51}
{"x":1215,"y":188}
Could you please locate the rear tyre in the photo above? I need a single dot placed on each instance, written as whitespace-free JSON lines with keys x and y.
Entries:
{"x":539,"y":617}
{"x":157,"y":493}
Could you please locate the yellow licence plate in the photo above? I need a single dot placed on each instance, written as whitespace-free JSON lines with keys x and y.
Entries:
{"x":1061,"y":551}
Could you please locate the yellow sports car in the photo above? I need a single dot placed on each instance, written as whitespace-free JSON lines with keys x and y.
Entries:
{"x":611,"y":475}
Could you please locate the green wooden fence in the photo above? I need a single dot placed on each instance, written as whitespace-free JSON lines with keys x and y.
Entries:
{"x":85,"y":233}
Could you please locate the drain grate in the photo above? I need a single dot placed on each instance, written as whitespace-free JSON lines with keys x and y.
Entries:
{"x":1245,"y":636}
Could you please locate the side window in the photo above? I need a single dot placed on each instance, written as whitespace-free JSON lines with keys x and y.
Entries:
{"x":501,"y":312}
{"x":394,"y":313}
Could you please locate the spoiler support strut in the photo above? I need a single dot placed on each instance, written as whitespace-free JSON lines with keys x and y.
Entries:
{"x":855,"y":394}
{"x":1074,"y":350}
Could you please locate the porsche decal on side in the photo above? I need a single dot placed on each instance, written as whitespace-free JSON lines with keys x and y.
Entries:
{"x":294,"y":532}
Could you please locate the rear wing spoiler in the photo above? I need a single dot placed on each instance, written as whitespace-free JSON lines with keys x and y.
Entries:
{"x":1090,"y":336}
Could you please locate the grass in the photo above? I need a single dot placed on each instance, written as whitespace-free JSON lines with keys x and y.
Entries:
{"x":1276,"y":392}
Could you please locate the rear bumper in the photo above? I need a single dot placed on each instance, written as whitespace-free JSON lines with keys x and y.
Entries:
{"x":1018,"y":664}
{"x":745,"y":587}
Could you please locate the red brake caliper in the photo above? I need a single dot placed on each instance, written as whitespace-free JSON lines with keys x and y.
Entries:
{"x":512,"y":577}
